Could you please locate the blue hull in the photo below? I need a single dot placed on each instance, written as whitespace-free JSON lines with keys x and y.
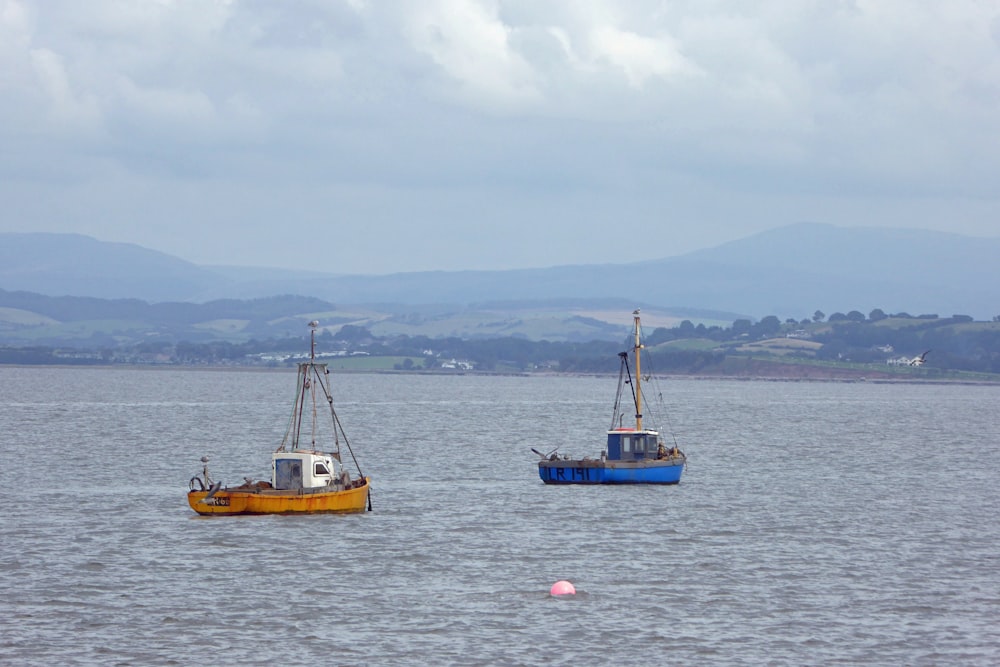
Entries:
{"x":610,"y":472}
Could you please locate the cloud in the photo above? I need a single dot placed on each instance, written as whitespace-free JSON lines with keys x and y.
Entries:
{"x":471,"y":45}
{"x":549,"y":115}
{"x":65,"y":106}
{"x":641,"y":58}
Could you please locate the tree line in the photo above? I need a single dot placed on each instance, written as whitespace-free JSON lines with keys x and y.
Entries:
{"x":958,"y":343}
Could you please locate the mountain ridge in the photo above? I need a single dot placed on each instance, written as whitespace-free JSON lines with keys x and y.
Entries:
{"x":788,"y":271}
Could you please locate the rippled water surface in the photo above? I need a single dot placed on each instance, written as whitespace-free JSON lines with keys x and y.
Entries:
{"x":817,"y":523}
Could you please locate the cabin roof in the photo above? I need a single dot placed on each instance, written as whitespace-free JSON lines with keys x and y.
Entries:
{"x":631,"y":430}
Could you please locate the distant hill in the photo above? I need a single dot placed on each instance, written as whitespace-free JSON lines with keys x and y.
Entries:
{"x":835,"y":268}
{"x":27,"y":318}
{"x":77,"y":265}
{"x":790,"y":271}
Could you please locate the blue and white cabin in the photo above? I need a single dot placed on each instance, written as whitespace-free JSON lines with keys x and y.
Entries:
{"x":627,"y":444}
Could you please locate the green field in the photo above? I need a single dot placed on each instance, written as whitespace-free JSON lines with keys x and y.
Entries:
{"x":363,"y":363}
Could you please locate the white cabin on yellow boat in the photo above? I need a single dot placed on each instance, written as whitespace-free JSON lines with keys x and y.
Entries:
{"x":306,"y":469}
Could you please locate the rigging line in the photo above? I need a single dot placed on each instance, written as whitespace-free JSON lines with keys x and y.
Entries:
{"x":630,"y":345}
{"x":650,"y":359}
{"x":662,"y":403}
{"x":291,"y":417}
{"x":333,"y":413}
{"x":312,"y":393}
{"x":328,"y":395}
{"x":338,"y":425}
{"x":670,"y":427}
{"x":635,"y":402}
{"x":654,"y":384}
{"x":346,"y":442}
{"x":301,"y":405}
{"x":648,"y":408}
{"x":618,"y":396}
{"x":654,"y":381}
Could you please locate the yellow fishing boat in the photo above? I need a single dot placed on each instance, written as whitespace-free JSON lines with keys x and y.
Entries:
{"x":303,"y":479}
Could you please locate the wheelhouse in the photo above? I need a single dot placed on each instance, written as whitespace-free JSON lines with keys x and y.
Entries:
{"x":302,"y":470}
{"x":631,"y":445}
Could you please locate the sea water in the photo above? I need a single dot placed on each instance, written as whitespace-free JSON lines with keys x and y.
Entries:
{"x":816,"y":523}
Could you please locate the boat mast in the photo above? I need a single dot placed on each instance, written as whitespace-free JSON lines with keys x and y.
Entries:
{"x":313,"y":375}
{"x":305,"y":385}
{"x":638,"y":374}
{"x":312,"y":340}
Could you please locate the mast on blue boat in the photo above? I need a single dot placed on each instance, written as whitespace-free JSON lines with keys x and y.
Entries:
{"x":638,"y":374}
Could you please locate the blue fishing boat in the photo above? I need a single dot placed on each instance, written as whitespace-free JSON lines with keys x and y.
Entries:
{"x":634,"y":455}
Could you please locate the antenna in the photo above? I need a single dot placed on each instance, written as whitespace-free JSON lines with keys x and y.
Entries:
{"x":312,"y":339}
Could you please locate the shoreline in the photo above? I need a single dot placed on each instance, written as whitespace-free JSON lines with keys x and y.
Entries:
{"x":805,"y":374}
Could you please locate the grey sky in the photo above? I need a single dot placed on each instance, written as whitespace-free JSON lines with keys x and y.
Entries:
{"x":367,"y":136}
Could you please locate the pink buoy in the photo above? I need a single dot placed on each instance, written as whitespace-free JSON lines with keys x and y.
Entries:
{"x":562,"y":588}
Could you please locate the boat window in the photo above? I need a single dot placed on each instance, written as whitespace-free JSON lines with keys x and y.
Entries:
{"x":626,"y":444}
{"x":321,"y":469}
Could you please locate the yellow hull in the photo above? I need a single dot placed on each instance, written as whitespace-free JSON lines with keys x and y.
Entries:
{"x":272,"y":501}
